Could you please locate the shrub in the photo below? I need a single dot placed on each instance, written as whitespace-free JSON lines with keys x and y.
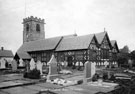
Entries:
{"x":25,"y":75}
{"x":105,"y":76}
{"x":33,"y":74}
{"x":79,"y":82}
{"x":112,"y":78}
{"x":95,"y":77}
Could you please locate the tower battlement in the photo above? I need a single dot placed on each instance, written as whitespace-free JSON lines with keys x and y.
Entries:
{"x":31,"y":18}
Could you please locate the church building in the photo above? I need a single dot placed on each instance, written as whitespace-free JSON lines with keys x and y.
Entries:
{"x":72,"y":48}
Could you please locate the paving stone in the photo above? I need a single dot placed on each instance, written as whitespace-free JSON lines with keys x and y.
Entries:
{"x":77,"y":78}
{"x":2,"y":92}
{"x":10,"y":77}
{"x":49,"y":85}
{"x":8,"y":84}
{"x":22,"y":81}
{"x":19,"y":90}
{"x":34,"y":87}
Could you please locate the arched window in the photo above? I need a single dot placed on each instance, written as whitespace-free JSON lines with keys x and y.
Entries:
{"x":38,"y":27}
{"x":27,"y":27}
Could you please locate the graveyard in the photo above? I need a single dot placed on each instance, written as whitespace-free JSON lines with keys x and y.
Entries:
{"x":60,"y":79}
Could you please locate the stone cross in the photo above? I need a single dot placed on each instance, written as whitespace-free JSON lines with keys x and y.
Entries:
{"x":39,"y":67}
{"x":14,"y":65}
{"x":52,"y":68}
{"x":32,"y":64}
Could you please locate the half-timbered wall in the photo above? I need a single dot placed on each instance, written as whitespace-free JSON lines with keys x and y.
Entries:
{"x":105,"y":47}
{"x":43,"y":56}
{"x":76,"y":55}
{"x":92,"y":51}
{"x":114,"y":53}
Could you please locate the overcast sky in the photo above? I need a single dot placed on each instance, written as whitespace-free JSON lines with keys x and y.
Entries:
{"x":65,"y":17}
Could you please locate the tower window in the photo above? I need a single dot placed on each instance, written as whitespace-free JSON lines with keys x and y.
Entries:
{"x":27,"y":27}
{"x":38,"y":27}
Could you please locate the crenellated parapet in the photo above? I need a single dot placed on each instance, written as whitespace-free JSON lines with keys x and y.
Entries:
{"x":31,"y":18}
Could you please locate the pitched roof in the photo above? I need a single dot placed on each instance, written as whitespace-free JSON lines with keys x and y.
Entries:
{"x":75,"y":43}
{"x":70,"y":36}
{"x":100,"y":36}
{"x":114,"y":43}
{"x":39,"y":45}
{"x":23,"y":55}
{"x":6,"y":53}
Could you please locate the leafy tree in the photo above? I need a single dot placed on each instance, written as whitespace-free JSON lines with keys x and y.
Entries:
{"x":132,"y":56}
{"x":123,"y":56}
{"x":125,"y":49}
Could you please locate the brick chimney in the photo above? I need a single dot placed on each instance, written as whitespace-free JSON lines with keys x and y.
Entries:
{"x":2,"y":48}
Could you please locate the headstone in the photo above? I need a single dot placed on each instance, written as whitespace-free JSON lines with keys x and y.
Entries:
{"x":14,"y":65}
{"x":65,"y":64}
{"x":93,"y":68}
{"x":62,"y":63}
{"x":3,"y":62}
{"x":52,"y":69}
{"x":106,"y":64}
{"x":77,"y":64}
{"x":27,"y":66}
{"x":39,"y":67}
{"x":81,"y":64}
{"x":21,"y":63}
{"x":89,"y":71}
{"x":32,"y":64}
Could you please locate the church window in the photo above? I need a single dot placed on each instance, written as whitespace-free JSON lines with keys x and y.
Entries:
{"x":38,"y":27}
{"x":27,"y":28}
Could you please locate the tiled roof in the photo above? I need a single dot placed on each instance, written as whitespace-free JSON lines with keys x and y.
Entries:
{"x":114,"y":44}
{"x":70,"y":36}
{"x":39,"y":45}
{"x":100,"y":36}
{"x":75,"y":43}
{"x":23,"y":55}
{"x":6,"y":53}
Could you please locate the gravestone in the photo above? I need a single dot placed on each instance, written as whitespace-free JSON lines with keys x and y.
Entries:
{"x":53,"y":73}
{"x":62,"y":63}
{"x":93,"y":68}
{"x":81,"y":64}
{"x":3,"y":63}
{"x":39,"y":67}
{"x":14,"y":65}
{"x":77,"y":64}
{"x":21,"y":63}
{"x":106,"y":64}
{"x":65,"y":64}
{"x":27,"y":65}
{"x":89,"y":71}
{"x":32,"y":64}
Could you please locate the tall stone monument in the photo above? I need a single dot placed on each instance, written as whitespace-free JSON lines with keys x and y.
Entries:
{"x":21,"y":63}
{"x":14,"y":65}
{"x":32,"y":64}
{"x":39,"y":67}
{"x":3,"y":62}
{"x":53,"y":73}
{"x":89,"y":71}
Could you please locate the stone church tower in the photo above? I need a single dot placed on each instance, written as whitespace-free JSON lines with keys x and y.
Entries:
{"x":33,"y":29}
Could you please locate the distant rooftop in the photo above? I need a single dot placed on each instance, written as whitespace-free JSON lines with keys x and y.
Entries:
{"x":5,"y":53}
